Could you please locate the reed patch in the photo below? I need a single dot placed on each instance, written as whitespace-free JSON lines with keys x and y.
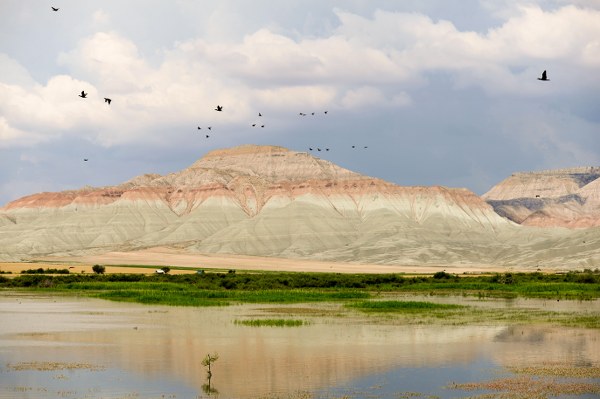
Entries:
{"x":271,"y":322}
{"x":402,"y":306}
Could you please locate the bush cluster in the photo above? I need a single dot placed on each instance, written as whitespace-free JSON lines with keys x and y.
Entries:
{"x":530,"y":284}
{"x":45,"y":271}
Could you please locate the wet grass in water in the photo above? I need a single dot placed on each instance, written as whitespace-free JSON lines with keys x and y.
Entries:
{"x":271,"y":322}
{"x":175,"y":295}
{"x":401,"y":306}
{"x":529,"y":387}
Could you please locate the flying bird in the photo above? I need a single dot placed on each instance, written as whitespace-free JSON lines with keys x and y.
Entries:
{"x":83,"y":94}
{"x":310,"y":148}
{"x":262,"y":125}
{"x":107,"y":100}
{"x":544,"y":76}
{"x":85,"y":159}
{"x":254,"y":124}
{"x":259,"y":114}
{"x":210,"y":128}
{"x":55,"y":9}
{"x":325,"y":112}
{"x":207,"y":136}
{"x":199,"y":128}
{"x":219,"y":108}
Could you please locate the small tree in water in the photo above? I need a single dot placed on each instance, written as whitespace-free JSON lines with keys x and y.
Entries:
{"x":208,"y":360}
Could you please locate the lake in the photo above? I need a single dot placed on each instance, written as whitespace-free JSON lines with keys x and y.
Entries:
{"x":70,"y":347}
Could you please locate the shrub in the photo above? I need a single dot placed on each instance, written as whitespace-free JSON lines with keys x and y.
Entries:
{"x":442,"y":275}
{"x":98,"y":269}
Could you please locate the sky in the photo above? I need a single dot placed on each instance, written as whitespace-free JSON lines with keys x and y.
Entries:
{"x":441,"y":92}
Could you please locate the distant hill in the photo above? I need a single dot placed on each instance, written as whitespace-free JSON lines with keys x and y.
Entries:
{"x":564,"y":197}
{"x":270,"y":201}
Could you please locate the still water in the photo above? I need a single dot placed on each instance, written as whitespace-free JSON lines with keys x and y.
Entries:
{"x":65,"y":347}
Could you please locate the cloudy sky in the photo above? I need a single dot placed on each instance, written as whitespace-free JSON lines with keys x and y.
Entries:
{"x":442,"y":92}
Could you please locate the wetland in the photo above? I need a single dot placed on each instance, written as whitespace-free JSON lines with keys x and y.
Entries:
{"x":329,"y":337}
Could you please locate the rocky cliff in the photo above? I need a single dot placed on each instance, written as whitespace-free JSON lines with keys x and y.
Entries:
{"x":270,"y":201}
{"x":565,"y":197}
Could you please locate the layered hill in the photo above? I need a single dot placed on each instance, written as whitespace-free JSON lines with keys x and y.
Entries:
{"x":564,"y":197}
{"x":270,"y":201}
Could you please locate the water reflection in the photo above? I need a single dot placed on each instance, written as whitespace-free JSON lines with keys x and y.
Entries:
{"x":159,"y":350}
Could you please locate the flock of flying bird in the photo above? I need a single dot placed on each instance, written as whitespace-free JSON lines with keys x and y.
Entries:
{"x":262,"y":125}
{"x":219,"y":108}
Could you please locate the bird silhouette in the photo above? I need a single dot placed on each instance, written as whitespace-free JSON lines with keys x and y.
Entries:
{"x":107,"y":100}
{"x":85,"y":159}
{"x":326,"y":149}
{"x":353,"y":146}
{"x":83,"y":94}
{"x":325,"y":112}
{"x":210,"y":128}
{"x":310,"y":148}
{"x":55,"y":9}
{"x":544,"y":76}
{"x":259,"y":114}
{"x":199,"y":128}
{"x":318,"y":149}
{"x":207,"y":136}
{"x":219,"y":108}
{"x":254,"y":124}
{"x":262,"y":125}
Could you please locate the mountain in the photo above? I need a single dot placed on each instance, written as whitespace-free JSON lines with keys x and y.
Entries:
{"x":564,"y":197}
{"x":270,"y":201}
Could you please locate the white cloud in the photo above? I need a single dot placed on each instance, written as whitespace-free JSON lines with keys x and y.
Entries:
{"x":100,"y":18}
{"x":110,"y":61}
{"x":362,"y":96}
{"x":365,"y":62}
{"x":12,"y":72}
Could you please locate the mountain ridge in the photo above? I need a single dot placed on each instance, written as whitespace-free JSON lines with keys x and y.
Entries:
{"x":271,"y":201}
{"x":551,"y":198}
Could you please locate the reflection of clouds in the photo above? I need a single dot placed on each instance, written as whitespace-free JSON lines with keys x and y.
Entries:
{"x":525,"y":345}
{"x":520,"y":334}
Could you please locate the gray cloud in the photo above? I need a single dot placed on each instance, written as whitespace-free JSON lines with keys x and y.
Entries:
{"x":441,"y":92}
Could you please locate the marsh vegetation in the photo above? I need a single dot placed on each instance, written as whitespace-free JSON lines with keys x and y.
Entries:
{"x":385,"y":296}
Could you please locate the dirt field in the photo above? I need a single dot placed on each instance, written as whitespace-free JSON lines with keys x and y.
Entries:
{"x":116,"y":262}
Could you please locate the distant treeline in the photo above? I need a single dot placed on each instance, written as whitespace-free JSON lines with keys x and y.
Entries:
{"x":582,"y":285}
{"x":45,"y":271}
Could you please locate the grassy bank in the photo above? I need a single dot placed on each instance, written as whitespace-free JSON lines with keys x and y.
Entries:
{"x":369,"y":295}
{"x":298,"y":287}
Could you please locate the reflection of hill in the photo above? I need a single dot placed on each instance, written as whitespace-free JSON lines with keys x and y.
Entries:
{"x":261,"y":361}
{"x":529,"y":345}
{"x":256,"y":362}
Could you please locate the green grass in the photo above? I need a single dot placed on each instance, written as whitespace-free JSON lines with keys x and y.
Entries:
{"x":401,"y":306}
{"x":271,"y":322}
{"x":218,"y":289}
{"x":184,"y":295}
